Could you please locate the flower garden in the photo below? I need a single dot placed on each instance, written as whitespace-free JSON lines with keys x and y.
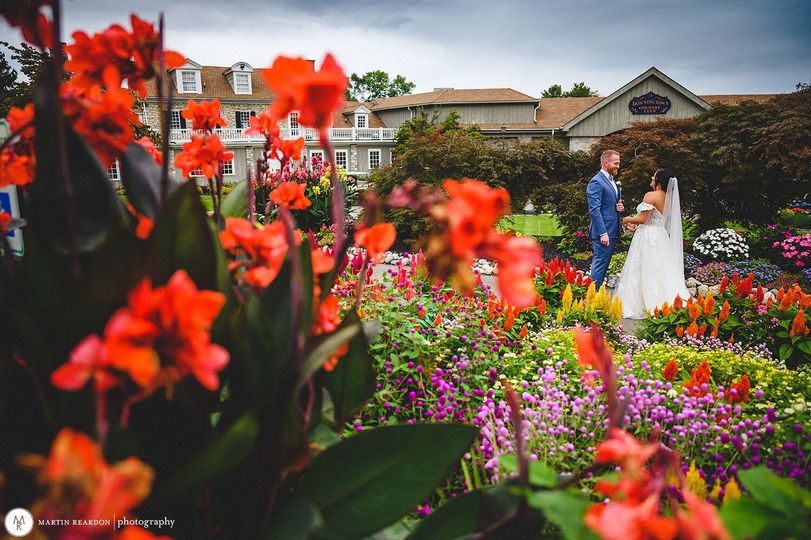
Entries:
{"x":241,"y":374}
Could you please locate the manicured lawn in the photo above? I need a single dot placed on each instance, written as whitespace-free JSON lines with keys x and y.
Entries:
{"x":531,"y":224}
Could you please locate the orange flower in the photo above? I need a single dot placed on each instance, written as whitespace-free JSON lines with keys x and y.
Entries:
{"x":731,"y":339}
{"x":36,"y":27}
{"x":694,"y":310}
{"x":5,"y":219}
{"x":375,"y":239}
{"x":798,"y":326}
{"x":671,"y":370}
{"x":117,"y":55}
{"x":656,"y":312}
{"x":473,"y":210}
{"x":264,"y":124}
{"x":104,"y":119}
{"x":157,"y":325}
{"x":290,"y":195}
{"x":291,"y":149}
{"x":542,"y":308}
{"x":88,"y":359}
{"x":328,"y":317}
{"x":523,"y":333}
{"x":517,"y":259}
{"x":709,"y":305}
{"x":149,"y":146}
{"x":204,"y":115}
{"x":679,"y":331}
{"x":698,"y":377}
{"x":259,"y":252}
{"x":623,"y":448}
{"x":677,"y":303}
{"x":741,"y":391}
{"x":509,"y":321}
{"x":692,"y":330}
{"x":724,"y":315}
{"x":623,"y":520}
{"x":322,"y":263}
{"x":82,"y":486}
{"x":204,"y":153}
{"x":699,"y":521}
{"x":17,"y":161}
{"x":744,"y":287}
{"x":315,"y":94}
{"x":724,"y":283}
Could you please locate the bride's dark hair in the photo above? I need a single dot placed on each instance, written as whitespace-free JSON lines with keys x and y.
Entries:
{"x":662,"y":177}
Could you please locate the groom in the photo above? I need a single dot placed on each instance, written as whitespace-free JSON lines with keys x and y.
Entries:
{"x":605,"y":204}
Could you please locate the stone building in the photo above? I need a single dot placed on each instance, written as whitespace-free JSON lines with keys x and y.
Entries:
{"x":363,"y":134}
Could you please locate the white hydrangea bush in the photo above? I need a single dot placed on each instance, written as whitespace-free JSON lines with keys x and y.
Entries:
{"x":721,"y":245}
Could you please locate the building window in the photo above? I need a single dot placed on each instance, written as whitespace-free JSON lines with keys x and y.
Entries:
{"x":292,"y":121}
{"x":244,"y":119}
{"x":177,"y":120}
{"x":342,"y":158}
{"x":316,"y":156}
{"x":391,"y":156}
{"x":112,"y":171}
{"x":188,"y":81}
{"x":242,"y":83}
{"x":361,"y":120}
{"x":196,"y":172}
{"x":227,"y":167}
{"x":374,"y":159}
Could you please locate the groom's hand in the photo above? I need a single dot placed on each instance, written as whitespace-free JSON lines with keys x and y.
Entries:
{"x":620,"y":207}
{"x":604,"y":239}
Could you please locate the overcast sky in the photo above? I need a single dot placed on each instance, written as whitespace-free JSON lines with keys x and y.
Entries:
{"x":710,"y":47}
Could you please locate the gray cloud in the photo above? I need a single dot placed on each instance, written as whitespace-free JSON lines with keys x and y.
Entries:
{"x":726,"y":46}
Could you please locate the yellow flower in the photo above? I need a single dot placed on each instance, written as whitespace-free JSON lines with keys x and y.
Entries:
{"x":567,"y":299}
{"x":731,"y":491}
{"x":695,"y":483}
{"x":317,"y":190}
{"x":716,"y":490}
{"x":325,"y":180}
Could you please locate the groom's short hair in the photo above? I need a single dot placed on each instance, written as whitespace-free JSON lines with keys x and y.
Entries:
{"x":607,"y":154}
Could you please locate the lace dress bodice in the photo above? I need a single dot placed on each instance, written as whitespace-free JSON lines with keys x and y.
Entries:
{"x":656,"y":218}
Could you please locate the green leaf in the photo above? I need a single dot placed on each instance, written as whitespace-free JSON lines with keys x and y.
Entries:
{"x":352,"y":382}
{"x":296,"y":521}
{"x":747,"y":518}
{"x":564,"y":509}
{"x":183,"y":239}
{"x":322,"y":348}
{"x":370,"y":480}
{"x":93,"y":210}
{"x":141,"y":177}
{"x":805,"y":346}
{"x":539,"y":474}
{"x":235,"y":204}
{"x":786,"y":350}
{"x":779,"y":493}
{"x":219,"y":458}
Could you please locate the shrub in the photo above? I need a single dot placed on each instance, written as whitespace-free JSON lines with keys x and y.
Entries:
{"x":721,"y":244}
{"x":616,"y":264}
{"x":795,"y":251}
{"x":575,"y":243}
{"x":761,"y":240}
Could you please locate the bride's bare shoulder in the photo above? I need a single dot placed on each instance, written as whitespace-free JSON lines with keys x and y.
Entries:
{"x":652,"y":197}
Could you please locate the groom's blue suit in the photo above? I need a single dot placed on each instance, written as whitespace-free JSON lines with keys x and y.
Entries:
{"x":602,"y":199}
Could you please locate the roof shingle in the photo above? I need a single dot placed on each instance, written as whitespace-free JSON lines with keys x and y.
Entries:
{"x":451,"y":95}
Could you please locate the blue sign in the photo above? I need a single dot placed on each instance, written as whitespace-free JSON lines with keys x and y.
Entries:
{"x":650,"y":103}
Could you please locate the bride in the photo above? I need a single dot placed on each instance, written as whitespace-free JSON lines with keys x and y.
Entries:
{"x":654,"y":268}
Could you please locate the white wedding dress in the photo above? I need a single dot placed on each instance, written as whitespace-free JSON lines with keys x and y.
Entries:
{"x":654,"y":268}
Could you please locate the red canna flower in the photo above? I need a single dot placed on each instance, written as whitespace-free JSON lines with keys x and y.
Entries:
{"x":517,"y":259}
{"x":203,"y":153}
{"x":115,"y":55}
{"x":741,"y":391}
{"x":17,"y":161}
{"x":473,"y":210}
{"x":36,"y":27}
{"x":375,"y":239}
{"x":87,"y":360}
{"x":259,"y":251}
{"x":591,"y":352}
{"x":699,"y":520}
{"x":315,"y":94}
{"x":290,"y":195}
{"x":104,"y":119}
{"x":328,"y":317}
{"x":149,"y":146}
{"x":204,"y":115}
{"x":82,"y":486}
{"x":671,"y":370}
{"x":264,"y":124}
{"x":322,"y":262}
{"x":290,"y":149}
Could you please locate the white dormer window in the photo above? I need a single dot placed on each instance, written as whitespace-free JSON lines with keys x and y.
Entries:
{"x":361,"y":120}
{"x":292,"y":121}
{"x":242,"y":83}
{"x":189,"y":81}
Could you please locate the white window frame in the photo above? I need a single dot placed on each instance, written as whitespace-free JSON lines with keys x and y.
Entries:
{"x":379,"y":158}
{"x":246,"y":120}
{"x":175,"y":115}
{"x":391,"y":156}
{"x":365,"y":117}
{"x":295,"y":131}
{"x":315,"y":152}
{"x":247,"y":76}
{"x":181,"y":84}
{"x":114,"y":171}
{"x":228,"y":167}
{"x":345,"y":154}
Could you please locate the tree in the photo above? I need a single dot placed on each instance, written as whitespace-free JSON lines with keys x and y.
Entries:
{"x":376,"y":84}
{"x":784,"y":144}
{"x":8,"y":84}
{"x":31,"y":62}
{"x":578,"y":90}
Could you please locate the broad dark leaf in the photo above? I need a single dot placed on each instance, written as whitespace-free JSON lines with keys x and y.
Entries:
{"x":85,"y":216}
{"x":352,"y":382}
{"x":296,"y":521}
{"x":141,"y":177}
{"x":323,"y":347}
{"x":235,"y":204}
{"x":565,"y":510}
{"x":372,"y":479}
